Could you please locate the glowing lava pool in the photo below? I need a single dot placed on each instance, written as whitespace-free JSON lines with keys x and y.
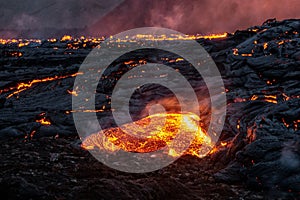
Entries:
{"x":151,"y":134}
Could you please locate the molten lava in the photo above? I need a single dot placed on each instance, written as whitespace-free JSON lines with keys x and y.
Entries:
{"x":24,"y":86}
{"x":42,"y":119}
{"x":66,"y":38}
{"x":150,"y":134}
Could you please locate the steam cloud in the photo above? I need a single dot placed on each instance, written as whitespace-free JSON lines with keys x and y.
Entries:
{"x":47,"y":18}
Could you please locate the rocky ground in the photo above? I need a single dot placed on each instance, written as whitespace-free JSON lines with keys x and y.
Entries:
{"x":40,"y":156}
{"x":55,"y":168}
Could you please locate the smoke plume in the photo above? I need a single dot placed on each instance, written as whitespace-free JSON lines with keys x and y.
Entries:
{"x":47,"y":18}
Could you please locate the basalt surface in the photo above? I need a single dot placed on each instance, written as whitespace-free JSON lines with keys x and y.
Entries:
{"x":258,"y":154}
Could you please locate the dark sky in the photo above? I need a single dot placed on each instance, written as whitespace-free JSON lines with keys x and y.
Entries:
{"x":49,"y":18}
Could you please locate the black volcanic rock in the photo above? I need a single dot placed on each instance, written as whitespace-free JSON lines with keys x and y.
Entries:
{"x":266,"y":78}
{"x":260,"y":67}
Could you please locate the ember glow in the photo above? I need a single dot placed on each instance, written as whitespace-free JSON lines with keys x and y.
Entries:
{"x":82,"y":42}
{"x":293,"y":124}
{"x":163,"y":37}
{"x":66,"y":38}
{"x":157,"y":135}
{"x":24,"y":86}
{"x":74,"y":93}
{"x":20,"y":42}
{"x":179,"y":37}
{"x":43,"y":120}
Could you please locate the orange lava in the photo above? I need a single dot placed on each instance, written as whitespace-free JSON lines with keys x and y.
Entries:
{"x":66,"y":38}
{"x":171,"y":37}
{"x":24,"y":86}
{"x":44,"y":121}
{"x":154,"y":135}
{"x":74,"y":93}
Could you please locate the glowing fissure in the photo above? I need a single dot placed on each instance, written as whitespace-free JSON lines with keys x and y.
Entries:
{"x":26,"y":85}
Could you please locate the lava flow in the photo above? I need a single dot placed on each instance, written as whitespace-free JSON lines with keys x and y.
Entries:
{"x":24,"y":86}
{"x":158,"y":135}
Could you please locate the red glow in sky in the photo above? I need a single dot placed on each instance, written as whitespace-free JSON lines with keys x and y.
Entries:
{"x":55,"y":18}
{"x":195,"y":16}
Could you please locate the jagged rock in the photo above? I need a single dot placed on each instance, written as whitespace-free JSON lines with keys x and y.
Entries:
{"x":19,"y":188}
{"x":260,"y":68}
